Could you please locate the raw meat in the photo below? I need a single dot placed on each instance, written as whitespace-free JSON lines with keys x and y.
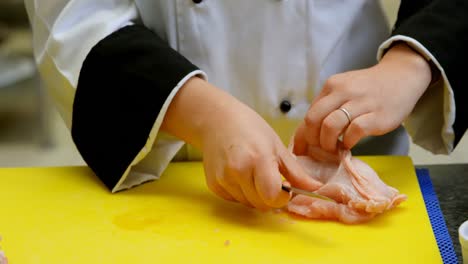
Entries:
{"x":358,"y":190}
{"x":3,"y":259}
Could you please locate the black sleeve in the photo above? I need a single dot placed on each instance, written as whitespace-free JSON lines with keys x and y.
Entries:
{"x":441,"y":26}
{"x":123,"y":84}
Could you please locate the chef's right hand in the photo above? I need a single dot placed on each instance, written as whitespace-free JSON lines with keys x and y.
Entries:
{"x":243,"y":157}
{"x":244,"y":160}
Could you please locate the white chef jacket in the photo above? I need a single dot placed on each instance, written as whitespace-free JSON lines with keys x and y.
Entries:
{"x":262,"y":52}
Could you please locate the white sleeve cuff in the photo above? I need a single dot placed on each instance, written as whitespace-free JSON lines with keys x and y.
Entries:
{"x":430,"y":125}
{"x":163,"y":151}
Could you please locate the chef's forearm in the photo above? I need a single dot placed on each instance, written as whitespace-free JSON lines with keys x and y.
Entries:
{"x":125,"y":83}
{"x":440,"y":27}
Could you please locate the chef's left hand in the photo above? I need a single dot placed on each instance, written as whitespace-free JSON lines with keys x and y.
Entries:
{"x":378,"y":99}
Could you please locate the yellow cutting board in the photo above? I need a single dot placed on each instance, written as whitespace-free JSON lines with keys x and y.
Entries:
{"x":66,"y":215}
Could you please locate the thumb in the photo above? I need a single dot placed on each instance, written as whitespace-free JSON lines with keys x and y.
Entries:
{"x":295,"y":174}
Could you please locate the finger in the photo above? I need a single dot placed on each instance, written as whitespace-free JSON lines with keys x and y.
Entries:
{"x":335,"y":124}
{"x":235,"y":191}
{"x":359,"y":128}
{"x":229,"y":184}
{"x":268,"y":180}
{"x":332,"y":127}
{"x":299,"y":140}
{"x":219,"y":190}
{"x":247,"y":185}
{"x":213,"y":185}
{"x":295,"y":174}
{"x":317,"y":113}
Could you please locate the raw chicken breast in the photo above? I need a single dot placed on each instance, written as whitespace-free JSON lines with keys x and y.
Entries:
{"x":325,"y":210}
{"x":357,"y":188}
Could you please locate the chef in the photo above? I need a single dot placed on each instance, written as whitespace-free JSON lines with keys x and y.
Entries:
{"x":136,"y":80}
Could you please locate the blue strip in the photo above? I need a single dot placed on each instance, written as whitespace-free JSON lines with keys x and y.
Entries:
{"x":436,"y":217}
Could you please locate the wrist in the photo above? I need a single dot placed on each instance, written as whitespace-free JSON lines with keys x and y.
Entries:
{"x":409,"y":63}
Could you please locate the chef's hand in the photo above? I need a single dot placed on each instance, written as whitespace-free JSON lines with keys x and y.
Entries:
{"x":243,"y":157}
{"x":378,"y":99}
